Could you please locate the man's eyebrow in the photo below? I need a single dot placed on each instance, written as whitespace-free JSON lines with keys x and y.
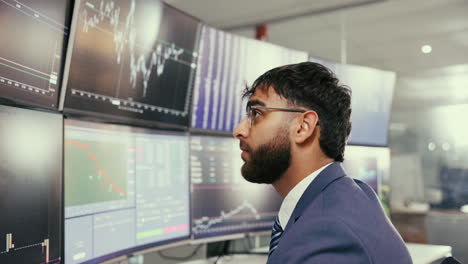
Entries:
{"x":255,"y":102}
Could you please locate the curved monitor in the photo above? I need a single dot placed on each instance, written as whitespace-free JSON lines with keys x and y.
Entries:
{"x":131,"y":61}
{"x":223,"y":203}
{"x":371,"y":101}
{"x":30,"y":186}
{"x":33,"y":37}
{"x":126,"y":189}
{"x":226,"y":65}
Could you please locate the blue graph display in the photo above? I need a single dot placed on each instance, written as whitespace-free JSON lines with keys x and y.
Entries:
{"x":227,"y":63}
{"x":371,"y":101}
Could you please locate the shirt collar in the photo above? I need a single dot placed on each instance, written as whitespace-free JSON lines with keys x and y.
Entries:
{"x":291,"y":199}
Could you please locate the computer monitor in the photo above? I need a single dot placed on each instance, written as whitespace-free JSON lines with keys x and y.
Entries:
{"x":226,"y":65}
{"x":33,"y":37}
{"x":131,"y":62}
{"x":126,"y":189}
{"x":371,"y":101}
{"x":30,"y":186}
{"x":368,"y":164}
{"x":453,"y":182}
{"x":223,"y":203}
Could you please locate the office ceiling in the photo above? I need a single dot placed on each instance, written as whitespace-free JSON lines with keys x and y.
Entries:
{"x":384,"y":34}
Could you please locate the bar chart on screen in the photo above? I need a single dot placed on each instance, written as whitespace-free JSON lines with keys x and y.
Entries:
{"x":44,"y":245}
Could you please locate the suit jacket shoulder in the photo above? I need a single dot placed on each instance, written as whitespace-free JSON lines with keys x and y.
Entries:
{"x":339,"y":220}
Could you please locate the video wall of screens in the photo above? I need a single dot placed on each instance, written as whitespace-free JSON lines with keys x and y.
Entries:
{"x":371,"y":101}
{"x":32,"y":40}
{"x":131,"y":61}
{"x":222,"y":201}
{"x":227,"y":63}
{"x":30,"y":186}
{"x":125,"y":189}
{"x":368,"y":164}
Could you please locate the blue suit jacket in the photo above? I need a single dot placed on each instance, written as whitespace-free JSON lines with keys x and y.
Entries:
{"x":339,"y":220}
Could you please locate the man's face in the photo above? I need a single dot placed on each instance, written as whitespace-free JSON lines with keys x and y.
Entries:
{"x":265,"y":143}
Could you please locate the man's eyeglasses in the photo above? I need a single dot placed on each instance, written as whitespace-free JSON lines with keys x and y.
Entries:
{"x":252,"y":112}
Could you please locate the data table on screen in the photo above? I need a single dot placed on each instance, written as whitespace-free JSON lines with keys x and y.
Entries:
{"x":222,"y":201}
{"x":126,"y":189}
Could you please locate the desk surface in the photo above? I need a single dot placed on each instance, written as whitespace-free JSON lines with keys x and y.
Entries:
{"x":420,"y":253}
{"x":238,"y":258}
{"x":426,"y":254}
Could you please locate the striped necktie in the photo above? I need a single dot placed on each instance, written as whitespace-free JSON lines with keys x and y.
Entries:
{"x":275,"y":236}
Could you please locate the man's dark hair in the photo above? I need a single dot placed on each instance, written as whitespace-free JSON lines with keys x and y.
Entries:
{"x":313,"y":86}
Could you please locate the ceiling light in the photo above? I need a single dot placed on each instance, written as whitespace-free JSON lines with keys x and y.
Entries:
{"x":426,"y":49}
{"x":431,"y":146}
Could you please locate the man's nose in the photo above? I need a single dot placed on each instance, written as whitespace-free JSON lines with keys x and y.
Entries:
{"x":242,"y":129}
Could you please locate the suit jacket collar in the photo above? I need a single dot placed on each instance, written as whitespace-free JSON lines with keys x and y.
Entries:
{"x":327,"y":176}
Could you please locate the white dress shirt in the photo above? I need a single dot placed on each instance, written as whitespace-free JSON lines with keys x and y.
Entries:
{"x":292,"y":198}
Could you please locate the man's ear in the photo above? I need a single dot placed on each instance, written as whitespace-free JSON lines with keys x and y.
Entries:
{"x":306,"y":126}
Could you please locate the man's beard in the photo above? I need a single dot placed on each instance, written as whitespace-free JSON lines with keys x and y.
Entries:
{"x":269,"y":161}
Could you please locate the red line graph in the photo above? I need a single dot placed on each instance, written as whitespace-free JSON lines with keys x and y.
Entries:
{"x":77,"y":144}
{"x":99,"y":171}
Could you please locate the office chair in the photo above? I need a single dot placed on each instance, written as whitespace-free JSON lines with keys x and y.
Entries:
{"x":449,"y":229}
{"x":450,"y":260}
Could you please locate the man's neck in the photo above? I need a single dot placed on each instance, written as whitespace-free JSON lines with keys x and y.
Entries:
{"x":296,"y":173}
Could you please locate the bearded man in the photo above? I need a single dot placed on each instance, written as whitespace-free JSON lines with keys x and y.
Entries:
{"x":294,"y":137}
